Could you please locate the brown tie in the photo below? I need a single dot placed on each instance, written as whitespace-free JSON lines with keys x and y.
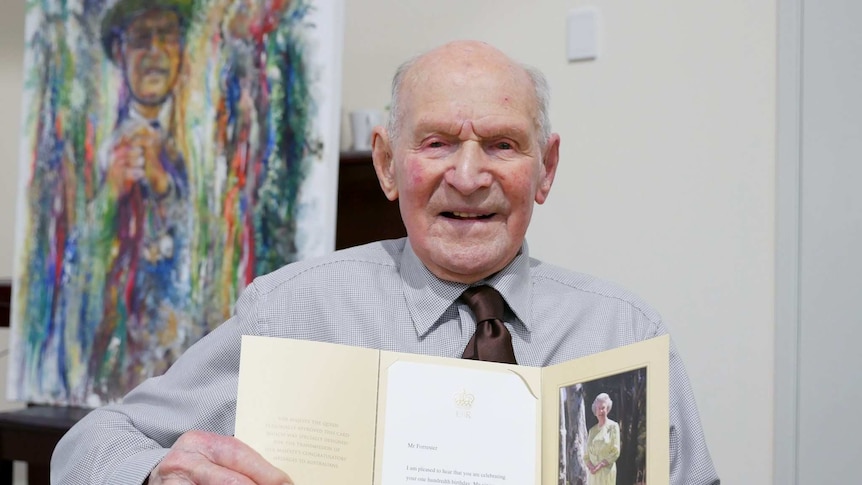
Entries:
{"x":492,"y":341}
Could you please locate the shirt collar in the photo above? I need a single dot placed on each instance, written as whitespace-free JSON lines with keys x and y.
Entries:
{"x":164,"y":117}
{"x":428,"y":297}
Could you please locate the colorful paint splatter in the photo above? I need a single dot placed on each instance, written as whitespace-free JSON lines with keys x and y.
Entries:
{"x":171,"y":148}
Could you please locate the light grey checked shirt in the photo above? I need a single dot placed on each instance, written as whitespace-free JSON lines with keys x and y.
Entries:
{"x":378,"y":296}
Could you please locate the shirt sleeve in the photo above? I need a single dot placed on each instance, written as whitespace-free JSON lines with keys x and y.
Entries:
{"x":690,"y":461}
{"x":121,"y":444}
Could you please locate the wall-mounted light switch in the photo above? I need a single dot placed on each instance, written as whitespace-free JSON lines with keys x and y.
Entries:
{"x":582,"y":36}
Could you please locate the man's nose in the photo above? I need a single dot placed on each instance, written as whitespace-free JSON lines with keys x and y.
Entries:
{"x":469,"y":170}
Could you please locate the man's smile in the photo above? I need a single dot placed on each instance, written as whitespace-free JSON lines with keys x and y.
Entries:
{"x":467,"y":215}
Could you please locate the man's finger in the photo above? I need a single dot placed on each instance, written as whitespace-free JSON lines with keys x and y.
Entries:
{"x":202,"y":473}
{"x":217,"y":474}
{"x":231,"y":453}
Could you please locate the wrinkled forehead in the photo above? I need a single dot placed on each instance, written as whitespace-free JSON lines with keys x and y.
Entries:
{"x":499,"y":86}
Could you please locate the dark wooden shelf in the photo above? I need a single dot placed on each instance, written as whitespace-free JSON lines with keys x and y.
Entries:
{"x":5,"y":302}
{"x":355,"y":156}
{"x":364,"y":213}
{"x":30,"y":435}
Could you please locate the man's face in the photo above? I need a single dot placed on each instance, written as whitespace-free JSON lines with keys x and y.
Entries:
{"x":151,"y":55}
{"x":467,"y":165}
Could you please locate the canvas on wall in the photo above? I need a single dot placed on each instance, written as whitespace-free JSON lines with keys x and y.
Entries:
{"x":172,"y":150}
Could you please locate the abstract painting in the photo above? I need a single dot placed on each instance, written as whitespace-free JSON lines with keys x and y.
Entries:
{"x":172,"y":150}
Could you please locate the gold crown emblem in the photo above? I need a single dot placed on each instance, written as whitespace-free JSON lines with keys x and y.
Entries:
{"x":464,"y":399}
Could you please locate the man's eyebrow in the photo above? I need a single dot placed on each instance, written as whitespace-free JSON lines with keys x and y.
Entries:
{"x":429,"y":127}
{"x":502,"y":130}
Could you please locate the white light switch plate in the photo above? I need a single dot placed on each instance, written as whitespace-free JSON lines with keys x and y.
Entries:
{"x":582,"y":36}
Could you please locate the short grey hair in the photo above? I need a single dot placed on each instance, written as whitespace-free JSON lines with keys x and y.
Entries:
{"x":542,"y":92}
{"x":603,"y":398}
{"x":395,"y":108}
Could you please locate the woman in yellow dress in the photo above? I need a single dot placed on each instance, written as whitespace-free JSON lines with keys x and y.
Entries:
{"x":603,"y":445}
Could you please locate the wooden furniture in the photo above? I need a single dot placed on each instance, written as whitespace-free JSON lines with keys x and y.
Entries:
{"x":364,"y":215}
{"x":30,"y":435}
{"x":5,"y":303}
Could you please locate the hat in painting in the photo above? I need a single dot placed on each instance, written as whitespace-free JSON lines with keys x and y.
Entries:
{"x":119,"y":13}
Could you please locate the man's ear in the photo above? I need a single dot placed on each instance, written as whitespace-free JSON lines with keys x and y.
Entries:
{"x":384,"y":166}
{"x":550,"y":158}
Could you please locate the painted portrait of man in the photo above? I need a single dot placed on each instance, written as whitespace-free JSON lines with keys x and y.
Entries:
{"x":175,"y":151}
{"x":143,"y":190}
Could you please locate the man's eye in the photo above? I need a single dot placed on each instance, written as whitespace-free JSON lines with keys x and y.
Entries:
{"x":435,"y":144}
{"x":503,"y":145}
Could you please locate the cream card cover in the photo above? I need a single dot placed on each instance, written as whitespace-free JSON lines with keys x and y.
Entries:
{"x":335,"y":414}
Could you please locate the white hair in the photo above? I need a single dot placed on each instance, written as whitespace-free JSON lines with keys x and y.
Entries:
{"x":602,"y":398}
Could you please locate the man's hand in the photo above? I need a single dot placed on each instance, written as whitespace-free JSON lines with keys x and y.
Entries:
{"x":200,"y":457}
{"x":134,"y":157}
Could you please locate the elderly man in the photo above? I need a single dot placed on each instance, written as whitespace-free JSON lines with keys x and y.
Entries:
{"x":467,"y":153}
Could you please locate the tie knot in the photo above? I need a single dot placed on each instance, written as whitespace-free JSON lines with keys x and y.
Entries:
{"x":485,"y":302}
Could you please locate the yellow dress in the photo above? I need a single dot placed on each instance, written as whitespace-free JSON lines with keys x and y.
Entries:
{"x":603,"y":443}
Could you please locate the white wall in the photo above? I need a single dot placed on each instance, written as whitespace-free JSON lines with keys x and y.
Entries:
{"x":667,"y":178}
{"x":11,"y":84}
{"x":830,"y":234}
